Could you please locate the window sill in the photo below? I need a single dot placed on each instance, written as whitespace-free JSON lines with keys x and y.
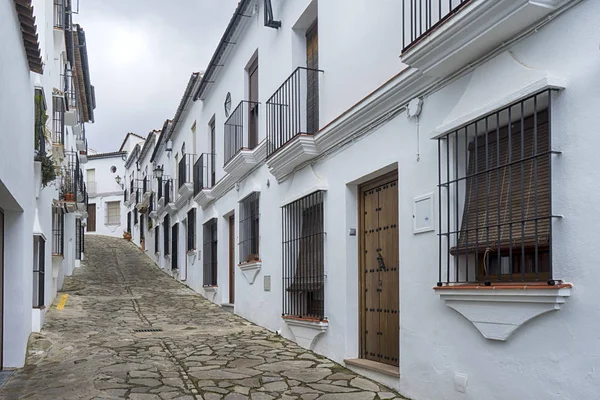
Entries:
{"x":306,"y":330}
{"x":251,"y":270}
{"x":498,"y":311}
{"x":373,"y":366}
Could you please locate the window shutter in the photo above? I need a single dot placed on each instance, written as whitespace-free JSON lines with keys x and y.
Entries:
{"x":485,"y":226}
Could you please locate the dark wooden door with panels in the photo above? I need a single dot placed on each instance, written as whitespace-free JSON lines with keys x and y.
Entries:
{"x":379,"y":271}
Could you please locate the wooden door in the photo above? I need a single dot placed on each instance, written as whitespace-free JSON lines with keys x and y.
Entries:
{"x":312,"y":79}
{"x":231,"y":259}
{"x":1,"y":289}
{"x":379,"y":266}
{"x":91,"y":219}
{"x":253,"y":105}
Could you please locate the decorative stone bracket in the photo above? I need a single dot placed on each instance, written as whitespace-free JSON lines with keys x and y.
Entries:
{"x":306,"y":331}
{"x":210,"y":292}
{"x":250,"y":270}
{"x":497,"y":312}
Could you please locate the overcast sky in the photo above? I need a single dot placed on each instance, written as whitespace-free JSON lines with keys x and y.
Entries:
{"x":142,"y":53}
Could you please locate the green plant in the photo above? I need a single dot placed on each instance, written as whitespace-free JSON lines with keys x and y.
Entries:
{"x":40,"y":121}
{"x":48,"y":168}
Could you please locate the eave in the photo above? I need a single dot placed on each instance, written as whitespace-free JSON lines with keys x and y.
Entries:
{"x":29,"y":34}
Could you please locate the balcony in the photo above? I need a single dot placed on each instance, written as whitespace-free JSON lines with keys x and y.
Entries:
{"x":169,"y":198}
{"x":186,"y":177}
{"x":146,"y":193}
{"x":204,"y":178}
{"x":440,"y":38}
{"x":292,"y":121}
{"x":72,"y":189}
{"x":242,"y":150}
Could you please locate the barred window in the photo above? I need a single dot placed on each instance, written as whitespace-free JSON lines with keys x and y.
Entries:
{"x":166,"y":227}
{"x":303,"y":257}
{"x":191,"y":230}
{"x":174,"y":245}
{"x":39,"y":268}
{"x":135,"y":215}
{"x":129,"y":222}
{"x":112,"y":215}
{"x":249,"y":228}
{"x":78,"y":239}
{"x":156,"y":239}
{"x":58,"y":120}
{"x":209,"y":234}
{"x":497,"y":171}
{"x":58,"y":232}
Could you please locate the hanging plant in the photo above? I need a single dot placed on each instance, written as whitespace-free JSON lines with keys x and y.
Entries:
{"x":48,"y":168}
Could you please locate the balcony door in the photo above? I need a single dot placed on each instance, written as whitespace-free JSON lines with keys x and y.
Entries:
{"x":312,"y":79}
{"x":253,"y":104}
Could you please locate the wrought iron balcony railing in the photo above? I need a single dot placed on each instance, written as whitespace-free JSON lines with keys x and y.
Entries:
{"x":168,"y":191}
{"x":204,"y":172}
{"x":241,"y":129}
{"x":421,"y":17}
{"x":60,"y":17}
{"x":186,"y":165}
{"x":293,"y":109}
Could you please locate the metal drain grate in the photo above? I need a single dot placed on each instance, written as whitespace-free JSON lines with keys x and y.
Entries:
{"x":148,"y":330}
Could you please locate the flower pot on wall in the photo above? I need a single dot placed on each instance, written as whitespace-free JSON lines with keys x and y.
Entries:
{"x":69,"y":197}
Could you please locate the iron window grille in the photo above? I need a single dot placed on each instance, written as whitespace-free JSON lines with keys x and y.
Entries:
{"x":185,"y":171}
{"x":497,"y":171}
{"x":78,"y":238}
{"x":159,"y":182}
{"x":39,"y":268}
{"x":191,"y":230}
{"x":70,"y":88}
{"x":59,"y":14}
{"x":421,"y":17}
{"x":174,"y":245}
{"x":151,"y":205}
{"x":303,"y":259}
{"x":238,"y":129}
{"x":156,"y":239}
{"x":124,"y":195}
{"x":135,"y":216}
{"x":168,"y":192}
{"x":112,"y":215}
{"x":58,"y":120}
{"x":129,"y":222}
{"x":293,"y":109}
{"x":58,"y":233}
{"x":209,"y":235}
{"x":166,"y":240}
{"x":142,"y":230}
{"x":145,"y":184}
{"x":203,"y":172}
{"x":249,"y":228}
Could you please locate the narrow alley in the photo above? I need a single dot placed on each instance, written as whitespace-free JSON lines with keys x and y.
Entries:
{"x":191,"y":349}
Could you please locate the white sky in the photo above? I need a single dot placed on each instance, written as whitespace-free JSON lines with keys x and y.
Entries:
{"x":141,"y":55}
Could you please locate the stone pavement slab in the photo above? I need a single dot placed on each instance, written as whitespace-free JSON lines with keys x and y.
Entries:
{"x":90,"y":350}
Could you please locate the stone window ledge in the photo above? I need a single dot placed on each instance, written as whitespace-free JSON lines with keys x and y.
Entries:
{"x":251,"y":270}
{"x":306,"y":330}
{"x":498,"y":311}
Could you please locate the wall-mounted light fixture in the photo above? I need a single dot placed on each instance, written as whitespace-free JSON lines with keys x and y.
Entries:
{"x":118,"y":180}
{"x":158,"y":171}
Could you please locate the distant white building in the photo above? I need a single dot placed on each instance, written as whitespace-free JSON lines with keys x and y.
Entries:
{"x":46,"y":99}
{"x":405,"y":187}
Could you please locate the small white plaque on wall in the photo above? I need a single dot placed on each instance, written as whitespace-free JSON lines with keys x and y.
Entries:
{"x":423,"y":214}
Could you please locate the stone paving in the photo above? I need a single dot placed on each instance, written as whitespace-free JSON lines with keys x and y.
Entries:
{"x":89,"y":350}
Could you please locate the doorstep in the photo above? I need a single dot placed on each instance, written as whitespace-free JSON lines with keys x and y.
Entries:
{"x":373,"y":366}
{"x":227,"y":307}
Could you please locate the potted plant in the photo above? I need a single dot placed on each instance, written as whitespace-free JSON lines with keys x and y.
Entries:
{"x":68,"y":185}
{"x":127,"y":236}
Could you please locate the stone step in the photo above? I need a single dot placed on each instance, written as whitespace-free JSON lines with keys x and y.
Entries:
{"x":227,"y":307}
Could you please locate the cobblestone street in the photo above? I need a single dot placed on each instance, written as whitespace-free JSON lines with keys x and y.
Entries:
{"x":89,"y":350}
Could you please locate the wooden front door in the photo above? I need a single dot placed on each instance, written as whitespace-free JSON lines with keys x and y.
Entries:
{"x":379,"y":264}
{"x":231,"y":259}
{"x":91,"y":219}
{"x":1,"y":288}
{"x":253,"y":105}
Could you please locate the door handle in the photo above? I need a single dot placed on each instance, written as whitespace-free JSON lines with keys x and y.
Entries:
{"x":381,"y":262}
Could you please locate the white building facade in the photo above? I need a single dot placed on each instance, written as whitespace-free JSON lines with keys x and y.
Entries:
{"x":45,"y":58}
{"x":416,"y":212}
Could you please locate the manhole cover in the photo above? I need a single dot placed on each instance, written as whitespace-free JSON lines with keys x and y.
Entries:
{"x":148,"y":330}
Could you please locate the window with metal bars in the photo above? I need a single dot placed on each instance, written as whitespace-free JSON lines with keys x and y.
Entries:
{"x":174,"y":245}
{"x":249,"y":228}
{"x":58,"y":120}
{"x":113,"y":213}
{"x":142,"y":230}
{"x":135,"y":216}
{"x":129,"y":222}
{"x":156,"y":239}
{"x":303,"y":236}
{"x":191,"y":230}
{"x":78,"y":238}
{"x":166,"y":240}
{"x":495,"y":197}
{"x":58,"y":232}
{"x":39,"y":268}
{"x":209,"y":234}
